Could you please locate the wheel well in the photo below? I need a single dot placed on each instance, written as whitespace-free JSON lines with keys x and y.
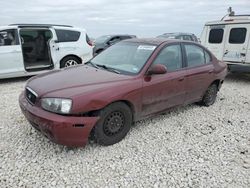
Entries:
{"x":71,"y":55}
{"x":217,"y":82}
{"x":129,"y":104}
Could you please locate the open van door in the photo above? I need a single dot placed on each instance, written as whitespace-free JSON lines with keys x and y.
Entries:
{"x":11,"y":57}
{"x":236,"y":43}
{"x":54,"y":49}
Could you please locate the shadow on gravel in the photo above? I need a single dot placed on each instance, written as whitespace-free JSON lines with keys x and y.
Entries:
{"x":12,"y":80}
{"x":238,"y":77}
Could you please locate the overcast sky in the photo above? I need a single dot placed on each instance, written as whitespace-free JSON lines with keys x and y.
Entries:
{"x":144,"y":18}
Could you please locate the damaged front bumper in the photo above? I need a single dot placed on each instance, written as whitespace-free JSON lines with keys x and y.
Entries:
{"x":65,"y":130}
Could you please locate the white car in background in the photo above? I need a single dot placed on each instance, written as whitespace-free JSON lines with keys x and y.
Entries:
{"x":30,"y":49}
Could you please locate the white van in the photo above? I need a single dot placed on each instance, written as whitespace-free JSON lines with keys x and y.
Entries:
{"x":228,"y":39}
{"x":29,"y":49}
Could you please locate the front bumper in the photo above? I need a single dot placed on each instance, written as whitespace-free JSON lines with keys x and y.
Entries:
{"x":65,"y":130}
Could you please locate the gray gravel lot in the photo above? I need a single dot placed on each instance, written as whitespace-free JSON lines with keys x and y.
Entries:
{"x":190,"y":146}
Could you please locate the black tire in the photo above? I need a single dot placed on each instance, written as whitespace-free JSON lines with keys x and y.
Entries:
{"x":114,"y":124}
{"x":65,"y":62}
{"x":210,"y":96}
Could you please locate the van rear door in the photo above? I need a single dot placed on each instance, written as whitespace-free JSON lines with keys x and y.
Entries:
{"x":213,"y":38}
{"x":236,"y":43}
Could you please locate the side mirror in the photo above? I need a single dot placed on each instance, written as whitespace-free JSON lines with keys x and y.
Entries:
{"x":157,"y":69}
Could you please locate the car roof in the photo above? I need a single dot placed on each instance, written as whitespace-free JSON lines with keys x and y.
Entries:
{"x":39,"y":25}
{"x":178,"y":33}
{"x":114,"y":35}
{"x":153,"y":41}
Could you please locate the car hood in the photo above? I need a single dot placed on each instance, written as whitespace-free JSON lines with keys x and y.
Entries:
{"x":74,"y":80}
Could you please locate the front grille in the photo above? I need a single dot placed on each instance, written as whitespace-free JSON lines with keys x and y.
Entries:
{"x":31,"y":95}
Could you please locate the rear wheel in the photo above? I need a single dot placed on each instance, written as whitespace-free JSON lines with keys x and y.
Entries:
{"x":70,"y":61}
{"x":210,"y":95}
{"x":114,"y":124}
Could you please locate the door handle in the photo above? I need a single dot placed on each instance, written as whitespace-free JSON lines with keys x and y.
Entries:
{"x":226,"y":52}
{"x":210,"y":71}
{"x":243,"y":54}
{"x":181,"y":79}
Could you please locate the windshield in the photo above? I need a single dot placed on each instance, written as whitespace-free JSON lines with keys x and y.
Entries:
{"x":125,"y":57}
{"x":102,"y":39}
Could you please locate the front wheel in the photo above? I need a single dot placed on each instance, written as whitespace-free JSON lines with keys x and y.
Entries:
{"x":114,"y":124}
{"x":70,"y":61}
{"x":210,"y":95}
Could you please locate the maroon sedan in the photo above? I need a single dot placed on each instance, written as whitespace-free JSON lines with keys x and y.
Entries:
{"x":127,"y":82}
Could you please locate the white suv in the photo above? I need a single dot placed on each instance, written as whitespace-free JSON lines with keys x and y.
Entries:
{"x":29,"y":49}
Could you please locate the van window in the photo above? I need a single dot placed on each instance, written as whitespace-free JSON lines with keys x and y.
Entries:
{"x":237,"y":35}
{"x":67,"y":35}
{"x":8,"y":37}
{"x":195,"y":55}
{"x":171,"y":57}
{"x":216,"y":36}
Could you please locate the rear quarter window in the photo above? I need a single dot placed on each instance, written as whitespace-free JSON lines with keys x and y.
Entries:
{"x":195,"y":55}
{"x":67,"y":35}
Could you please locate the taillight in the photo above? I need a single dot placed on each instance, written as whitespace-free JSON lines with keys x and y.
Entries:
{"x":89,"y":41}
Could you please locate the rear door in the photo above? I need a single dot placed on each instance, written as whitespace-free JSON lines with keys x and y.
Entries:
{"x":215,"y":40}
{"x":236,"y":43}
{"x":11,"y":57}
{"x":200,"y":72}
{"x":67,"y":43}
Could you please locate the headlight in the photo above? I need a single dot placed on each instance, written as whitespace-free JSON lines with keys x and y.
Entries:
{"x":61,"y":106}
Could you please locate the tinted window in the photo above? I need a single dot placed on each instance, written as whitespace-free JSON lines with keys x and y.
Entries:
{"x":67,"y":35}
{"x":216,"y":35}
{"x":195,"y":55}
{"x":8,"y":37}
{"x":114,"y":40}
{"x":237,"y":35}
{"x":170,"y":57}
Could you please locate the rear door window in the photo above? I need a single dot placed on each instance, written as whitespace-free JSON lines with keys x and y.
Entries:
{"x":67,"y":35}
{"x":216,"y":36}
{"x":171,"y":57}
{"x":195,"y":55}
{"x":237,"y":35}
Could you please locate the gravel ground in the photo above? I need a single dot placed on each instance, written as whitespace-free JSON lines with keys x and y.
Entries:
{"x":190,"y":146}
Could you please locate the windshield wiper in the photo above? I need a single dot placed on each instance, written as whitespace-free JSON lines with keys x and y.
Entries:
{"x":108,"y":68}
{"x":91,"y":63}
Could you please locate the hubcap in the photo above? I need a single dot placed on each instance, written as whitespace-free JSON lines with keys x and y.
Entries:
{"x":212,"y":95}
{"x":70,"y":63}
{"x":113,"y":123}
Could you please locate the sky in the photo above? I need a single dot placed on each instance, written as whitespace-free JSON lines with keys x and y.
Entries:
{"x":144,"y":18}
